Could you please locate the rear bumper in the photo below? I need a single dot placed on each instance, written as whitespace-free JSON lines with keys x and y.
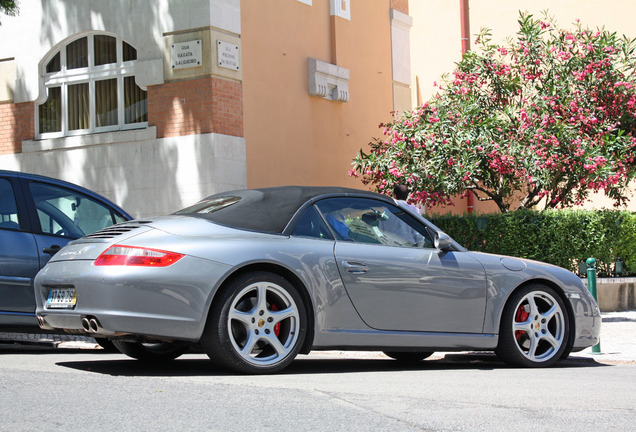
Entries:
{"x":115,"y":300}
{"x":119,"y":325}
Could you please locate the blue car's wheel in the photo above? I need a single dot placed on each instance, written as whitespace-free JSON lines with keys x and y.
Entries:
{"x":151,"y":352}
{"x":256,"y":325}
{"x":106,"y":345}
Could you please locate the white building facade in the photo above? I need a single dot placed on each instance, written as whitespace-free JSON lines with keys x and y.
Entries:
{"x":139,"y":100}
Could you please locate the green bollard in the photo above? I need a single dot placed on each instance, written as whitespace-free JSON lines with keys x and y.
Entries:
{"x":591,"y":285}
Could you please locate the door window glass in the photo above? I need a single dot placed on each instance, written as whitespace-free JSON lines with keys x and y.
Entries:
{"x":311,"y":225}
{"x":364,"y":220}
{"x":8,"y":208}
{"x":68,"y":213}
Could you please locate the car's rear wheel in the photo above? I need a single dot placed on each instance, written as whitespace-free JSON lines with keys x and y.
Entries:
{"x":407,"y":356}
{"x":534,"y":328}
{"x":256,"y":325}
{"x":151,"y":352}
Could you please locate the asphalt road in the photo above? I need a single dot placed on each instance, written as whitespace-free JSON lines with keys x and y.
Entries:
{"x":50,"y":389}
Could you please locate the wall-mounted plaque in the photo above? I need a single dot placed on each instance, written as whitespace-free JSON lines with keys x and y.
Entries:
{"x":186,"y":54}
{"x":227,"y":55}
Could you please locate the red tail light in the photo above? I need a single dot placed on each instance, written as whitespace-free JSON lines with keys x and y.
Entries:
{"x":136,"y":256}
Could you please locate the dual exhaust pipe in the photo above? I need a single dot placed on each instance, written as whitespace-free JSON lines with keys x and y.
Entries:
{"x":91,"y":325}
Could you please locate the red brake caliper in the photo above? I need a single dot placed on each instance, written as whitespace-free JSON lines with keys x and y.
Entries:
{"x":520,"y":316}
{"x":277,"y":325}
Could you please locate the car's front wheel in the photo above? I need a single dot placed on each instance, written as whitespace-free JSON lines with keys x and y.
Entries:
{"x":151,"y":352}
{"x":534,"y":328}
{"x":256,"y":325}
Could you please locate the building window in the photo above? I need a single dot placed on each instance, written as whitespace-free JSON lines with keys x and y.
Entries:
{"x":340,"y":8}
{"x":90,"y":85}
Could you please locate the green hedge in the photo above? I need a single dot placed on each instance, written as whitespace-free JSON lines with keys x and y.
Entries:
{"x":561,"y":237}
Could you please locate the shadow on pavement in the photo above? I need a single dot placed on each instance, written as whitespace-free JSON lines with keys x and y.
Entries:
{"x":200,"y":365}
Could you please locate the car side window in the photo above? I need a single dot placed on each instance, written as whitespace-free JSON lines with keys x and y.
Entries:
{"x":8,"y":207}
{"x":69,"y":213}
{"x":311,"y":225}
{"x":365,"y":220}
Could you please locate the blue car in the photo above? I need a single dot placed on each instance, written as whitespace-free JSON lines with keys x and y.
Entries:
{"x":38,"y":217}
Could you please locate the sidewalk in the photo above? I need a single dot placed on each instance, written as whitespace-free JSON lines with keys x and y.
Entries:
{"x":618,"y":342}
{"x":618,"y":339}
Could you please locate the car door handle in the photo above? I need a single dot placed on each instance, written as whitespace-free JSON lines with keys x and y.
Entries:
{"x":355,"y":267}
{"x":52,"y":250}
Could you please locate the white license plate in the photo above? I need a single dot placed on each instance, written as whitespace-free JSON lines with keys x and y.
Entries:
{"x":61,"y":298}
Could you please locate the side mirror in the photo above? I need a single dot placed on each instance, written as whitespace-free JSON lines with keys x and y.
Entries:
{"x":443,"y":242}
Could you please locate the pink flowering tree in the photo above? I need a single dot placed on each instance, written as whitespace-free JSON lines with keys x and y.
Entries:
{"x":544,"y":119}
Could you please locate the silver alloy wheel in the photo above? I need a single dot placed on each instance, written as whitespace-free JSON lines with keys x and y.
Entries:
{"x":539,"y":326}
{"x":263,"y":323}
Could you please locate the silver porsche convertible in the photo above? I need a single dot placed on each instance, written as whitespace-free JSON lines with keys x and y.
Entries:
{"x":255,"y":277}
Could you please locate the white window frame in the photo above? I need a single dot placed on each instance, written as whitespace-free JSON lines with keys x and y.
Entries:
{"x":340,"y":8}
{"x":90,"y":75}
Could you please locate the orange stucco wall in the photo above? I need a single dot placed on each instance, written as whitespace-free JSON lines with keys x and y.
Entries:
{"x":435,"y":36}
{"x":292,"y":137}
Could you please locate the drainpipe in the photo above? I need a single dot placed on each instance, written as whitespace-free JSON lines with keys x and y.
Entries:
{"x":465,"y":23}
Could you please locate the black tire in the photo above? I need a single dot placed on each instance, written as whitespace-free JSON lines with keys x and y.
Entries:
{"x":408,"y":356}
{"x":107,"y":345}
{"x":256,"y":325}
{"x":151,"y":352}
{"x":535,"y":328}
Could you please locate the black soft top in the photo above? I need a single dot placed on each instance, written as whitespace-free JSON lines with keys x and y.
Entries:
{"x":267,"y":210}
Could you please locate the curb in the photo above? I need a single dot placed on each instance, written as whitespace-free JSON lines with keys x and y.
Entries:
{"x":50,"y":340}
